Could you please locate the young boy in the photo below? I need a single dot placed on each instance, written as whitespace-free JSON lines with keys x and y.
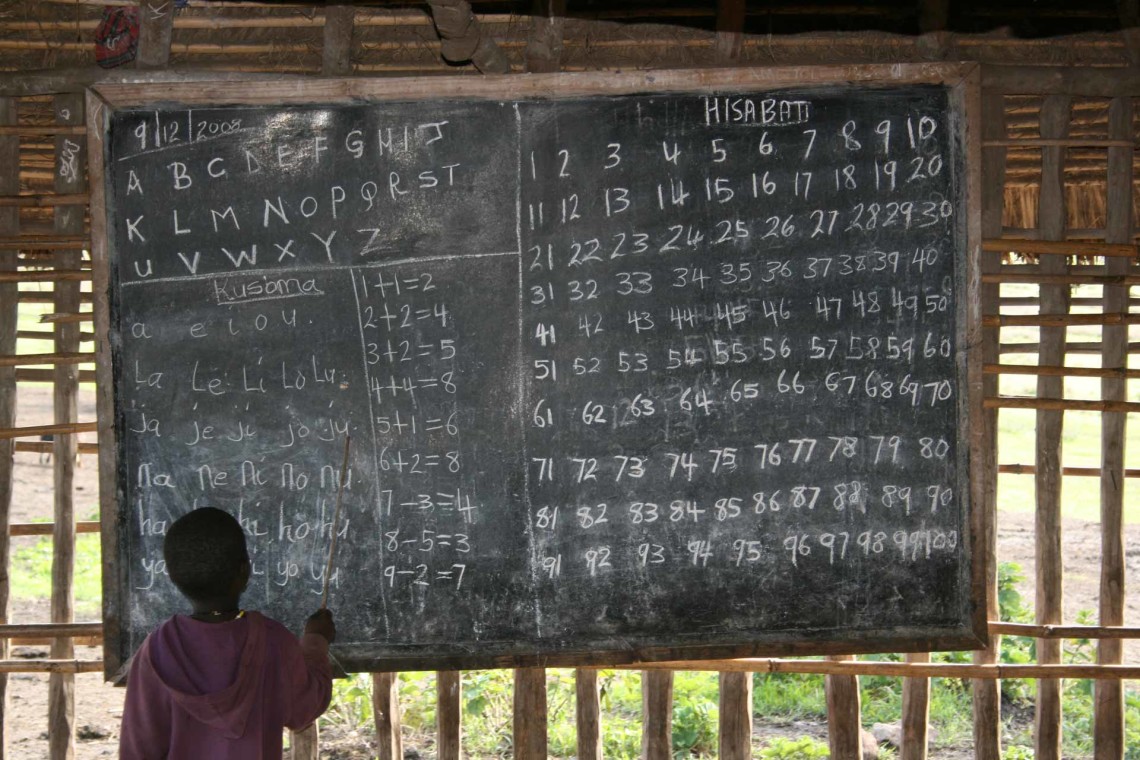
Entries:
{"x":221,"y":682}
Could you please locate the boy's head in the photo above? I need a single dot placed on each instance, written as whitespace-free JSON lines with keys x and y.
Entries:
{"x":205,"y":554}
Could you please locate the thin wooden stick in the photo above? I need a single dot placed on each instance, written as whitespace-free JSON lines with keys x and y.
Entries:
{"x":1091,"y":472}
{"x":336,"y":522}
{"x":1060,"y":404}
{"x":1029,"y":630}
{"x":46,"y":529}
{"x":51,"y":666}
{"x":38,"y":430}
{"x":1066,"y":247}
{"x":27,"y":360}
{"x":1041,"y":369}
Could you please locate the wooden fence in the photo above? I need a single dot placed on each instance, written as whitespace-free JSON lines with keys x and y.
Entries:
{"x":1058,"y":198}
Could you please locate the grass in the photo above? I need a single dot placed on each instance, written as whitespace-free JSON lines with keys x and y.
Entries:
{"x":31,"y":573}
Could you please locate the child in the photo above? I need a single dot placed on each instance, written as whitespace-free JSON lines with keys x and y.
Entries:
{"x":221,"y":682}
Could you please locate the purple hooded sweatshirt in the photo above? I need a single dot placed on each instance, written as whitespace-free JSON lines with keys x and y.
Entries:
{"x":222,"y":690}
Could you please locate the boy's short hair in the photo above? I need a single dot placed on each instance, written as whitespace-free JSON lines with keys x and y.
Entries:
{"x":204,"y":552}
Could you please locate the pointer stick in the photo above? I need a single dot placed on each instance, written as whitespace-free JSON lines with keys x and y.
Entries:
{"x":335,"y":523}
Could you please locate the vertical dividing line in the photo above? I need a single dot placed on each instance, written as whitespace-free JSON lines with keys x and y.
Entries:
{"x":1053,"y":299}
{"x":987,"y":692}
{"x":735,"y":707}
{"x":70,"y":177}
{"x":588,"y":714}
{"x":1109,"y":715}
{"x":9,"y":321}
{"x":449,"y":715}
{"x":657,"y":714}
{"x":530,"y":714}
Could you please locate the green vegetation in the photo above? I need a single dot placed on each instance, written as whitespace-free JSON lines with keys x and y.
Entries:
{"x":31,"y":573}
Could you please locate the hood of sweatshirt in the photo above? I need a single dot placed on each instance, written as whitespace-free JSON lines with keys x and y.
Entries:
{"x":212,"y":669}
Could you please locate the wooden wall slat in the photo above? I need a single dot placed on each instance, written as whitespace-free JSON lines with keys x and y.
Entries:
{"x":735,"y":730}
{"x":588,"y":714}
{"x":730,"y":17}
{"x":70,"y":178}
{"x":336,"y":55}
{"x":544,"y":45}
{"x":915,"y":712}
{"x":1055,"y":116}
{"x":156,"y":30}
{"x":1109,"y":716}
{"x":386,"y":713}
{"x":449,"y":714}
{"x":656,"y":715}
{"x":9,"y":318}
{"x":844,"y":721}
{"x":530,"y":714}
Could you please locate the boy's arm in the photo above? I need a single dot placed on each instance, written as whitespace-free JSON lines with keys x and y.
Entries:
{"x":145,"y":732}
{"x":312,"y":673}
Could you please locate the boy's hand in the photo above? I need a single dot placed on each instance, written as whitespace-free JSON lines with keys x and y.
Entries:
{"x":321,"y":623}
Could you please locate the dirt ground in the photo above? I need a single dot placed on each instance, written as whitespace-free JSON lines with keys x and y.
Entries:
{"x":99,"y":707}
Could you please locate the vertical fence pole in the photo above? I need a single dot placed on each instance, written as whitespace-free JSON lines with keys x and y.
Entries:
{"x":735,"y":735}
{"x":530,"y":714}
{"x":70,"y":177}
{"x":1109,"y":722}
{"x":9,"y":320}
{"x":844,"y":724}
{"x":386,"y":711}
{"x":656,"y":714}
{"x":156,"y":28}
{"x":304,"y":743}
{"x":987,"y":692}
{"x":449,"y":714}
{"x":336,"y":55}
{"x":1054,"y":299}
{"x":915,"y":712}
{"x":588,"y":713}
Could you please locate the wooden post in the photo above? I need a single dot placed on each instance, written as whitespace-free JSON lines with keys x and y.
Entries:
{"x":735,"y":731}
{"x":844,"y":725}
{"x":915,"y":712}
{"x":449,"y":714}
{"x":588,"y":714}
{"x":9,"y":318}
{"x":656,"y":715}
{"x":1109,"y":721}
{"x":544,"y":46}
{"x":386,"y":711}
{"x":730,"y":17}
{"x":336,"y":57}
{"x":987,"y":692}
{"x":304,"y":743}
{"x":156,"y":29}
{"x":70,"y":178}
{"x":1055,"y":115}
{"x":530,"y":714}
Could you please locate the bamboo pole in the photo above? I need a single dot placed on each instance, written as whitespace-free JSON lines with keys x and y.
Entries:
{"x":1119,"y":373}
{"x":449,"y":714}
{"x":1109,"y":710}
{"x":530,"y":714}
{"x":1065,"y":247}
{"x":386,"y":711}
{"x":71,"y":181}
{"x":657,"y":714}
{"x":987,"y":693}
{"x":9,"y":320}
{"x":588,"y":714}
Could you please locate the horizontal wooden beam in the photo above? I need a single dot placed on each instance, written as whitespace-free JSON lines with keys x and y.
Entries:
{"x":1090,"y":472}
{"x":37,"y":430}
{"x":1065,"y":631}
{"x":41,"y":200}
{"x":895,"y":669}
{"x":1106,"y":82}
{"x":1065,"y":247}
{"x":1056,"y":404}
{"x":30,"y":360}
{"x":57,"y":129}
{"x":51,"y":666}
{"x":47,"y":275}
{"x":1061,"y":279}
{"x":1059,"y":320}
{"x":49,"y":630}
{"x":45,"y":529}
{"x":1066,"y":142}
{"x":1052,"y":371}
{"x":44,"y":242}
{"x":47,"y":447}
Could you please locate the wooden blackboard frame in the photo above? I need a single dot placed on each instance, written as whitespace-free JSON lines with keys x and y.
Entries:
{"x":963,"y":83}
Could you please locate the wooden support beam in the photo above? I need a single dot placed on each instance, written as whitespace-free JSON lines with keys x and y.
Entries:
{"x":463,"y":38}
{"x":1058,"y":405}
{"x":530,"y":714}
{"x":9,"y":319}
{"x":31,"y":360}
{"x":915,"y":712}
{"x":36,"y":242}
{"x":156,"y":29}
{"x":305,"y":744}
{"x":1119,"y":373}
{"x":844,"y":723}
{"x":1067,"y":248}
{"x":449,"y":714}
{"x":544,"y":45}
{"x":735,"y":707}
{"x":47,"y":529}
{"x":1048,"y":604}
{"x":730,"y":15}
{"x":588,"y":714}
{"x":336,"y":55}
{"x":386,"y":711}
{"x":71,"y":180}
{"x":656,"y":715}
{"x":1109,"y":709}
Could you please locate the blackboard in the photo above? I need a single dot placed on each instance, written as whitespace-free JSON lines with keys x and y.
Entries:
{"x":647,"y":367}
